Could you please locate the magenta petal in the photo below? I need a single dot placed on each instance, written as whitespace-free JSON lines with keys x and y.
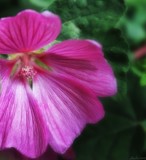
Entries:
{"x":28,"y":31}
{"x":67,"y":107}
{"x":83,"y":61}
{"x":21,"y":125}
{"x":78,"y":49}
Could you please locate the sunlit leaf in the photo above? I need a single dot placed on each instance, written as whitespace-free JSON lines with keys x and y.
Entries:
{"x":42,"y":3}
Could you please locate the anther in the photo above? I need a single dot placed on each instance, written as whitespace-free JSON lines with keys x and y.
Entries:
{"x":28,"y":72}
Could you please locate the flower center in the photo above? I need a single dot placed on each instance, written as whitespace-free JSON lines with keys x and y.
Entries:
{"x":23,"y":66}
{"x":28,"y":72}
{"x":26,"y":65}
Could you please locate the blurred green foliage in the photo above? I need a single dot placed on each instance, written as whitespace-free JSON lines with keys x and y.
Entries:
{"x":134,"y":21}
{"x":120,"y":26}
{"x":134,"y":26}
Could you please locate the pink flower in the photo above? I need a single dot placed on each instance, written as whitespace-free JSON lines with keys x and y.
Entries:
{"x":48,"y":96}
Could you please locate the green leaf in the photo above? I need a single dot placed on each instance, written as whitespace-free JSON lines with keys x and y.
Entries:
{"x":70,"y":30}
{"x":143,"y":80}
{"x":116,"y":51}
{"x":139,"y":69}
{"x":115,"y":137}
{"x":42,"y":3}
{"x":111,"y":139}
{"x":134,"y":21}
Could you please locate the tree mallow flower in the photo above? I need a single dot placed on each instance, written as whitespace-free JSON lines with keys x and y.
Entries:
{"x":47,"y":96}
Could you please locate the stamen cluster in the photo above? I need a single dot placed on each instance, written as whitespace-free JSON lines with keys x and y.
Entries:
{"x":28,"y":72}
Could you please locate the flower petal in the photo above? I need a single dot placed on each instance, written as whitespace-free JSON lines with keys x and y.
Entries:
{"x":83,"y":60}
{"x":28,"y":31}
{"x":21,"y":125}
{"x":67,"y":106}
{"x":78,"y":49}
